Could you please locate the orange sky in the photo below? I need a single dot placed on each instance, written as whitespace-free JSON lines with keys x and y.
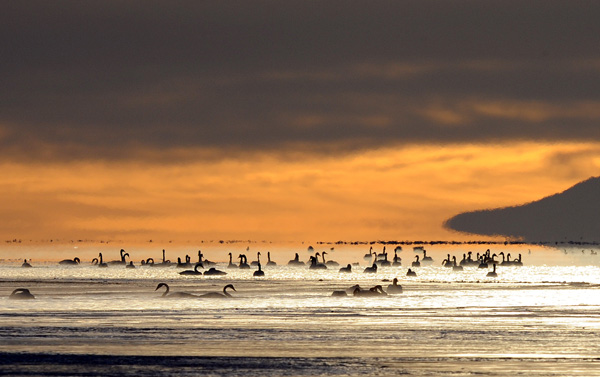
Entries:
{"x":386,"y":194}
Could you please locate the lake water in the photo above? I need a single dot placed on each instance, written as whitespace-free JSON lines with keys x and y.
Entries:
{"x":540,"y":319}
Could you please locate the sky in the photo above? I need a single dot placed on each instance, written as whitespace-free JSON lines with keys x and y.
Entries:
{"x":289,"y":120}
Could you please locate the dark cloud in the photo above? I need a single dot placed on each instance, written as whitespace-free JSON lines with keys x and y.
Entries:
{"x":112,"y":79}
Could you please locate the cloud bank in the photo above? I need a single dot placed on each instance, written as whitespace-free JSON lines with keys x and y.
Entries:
{"x":185,"y":80}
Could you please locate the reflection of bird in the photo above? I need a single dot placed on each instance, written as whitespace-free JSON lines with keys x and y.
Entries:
{"x":21,"y":294}
{"x":225,"y":294}
{"x":492,"y":274}
{"x":194,"y":271}
{"x":394,"y":287}
{"x":25,"y":264}
{"x":166,"y":294}
{"x":259,"y":272}
{"x":68,"y":262}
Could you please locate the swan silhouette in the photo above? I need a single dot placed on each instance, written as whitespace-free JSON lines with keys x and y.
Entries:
{"x":21,"y":294}
{"x":214,"y":272}
{"x":70,"y":262}
{"x":329,"y":262}
{"x":257,"y":261}
{"x":122,"y":260}
{"x":492,"y":274}
{"x":296,"y":261}
{"x":269,"y":261}
{"x":100,"y":263}
{"x":426,"y":259}
{"x":259,"y":272}
{"x":394,"y":287}
{"x":194,"y":271}
{"x":416,"y":263}
{"x":411,"y":273}
{"x":243,"y":262}
{"x":166,"y":294}
{"x":372,"y":269}
{"x":231,"y":264}
{"x":315,"y":265}
{"x":374,"y":291}
{"x":348,"y":268}
{"x":130,"y":265}
{"x":225,"y":294}
{"x":25,"y":264}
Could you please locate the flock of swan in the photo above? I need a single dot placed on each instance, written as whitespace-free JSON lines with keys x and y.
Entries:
{"x":316,"y":261}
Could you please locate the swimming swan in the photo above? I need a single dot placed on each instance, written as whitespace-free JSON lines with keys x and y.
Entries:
{"x":259,"y":272}
{"x":492,"y":274}
{"x":25,"y":264}
{"x":411,"y":273}
{"x":166,"y":294}
{"x":194,"y":271}
{"x":70,"y":262}
{"x":394,"y":287}
{"x":348,"y":268}
{"x":21,"y":294}
{"x":269,"y":261}
{"x":213,"y":271}
{"x":225,"y":294}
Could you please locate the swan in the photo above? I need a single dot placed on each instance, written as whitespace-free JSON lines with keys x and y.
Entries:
{"x":492,"y":274}
{"x":372,"y":269}
{"x":482,"y":262}
{"x":164,"y":263}
{"x":70,"y":262}
{"x":517,"y":262}
{"x":130,"y":265}
{"x":411,"y":273}
{"x":269,"y":261}
{"x":231,"y":264}
{"x":315,"y":265}
{"x":213,"y":271}
{"x":397,"y":260}
{"x":257,"y":261}
{"x":225,"y":294}
{"x":205,"y":261}
{"x":374,"y":291}
{"x":384,"y":262}
{"x":329,"y":262}
{"x":416,"y":263}
{"x":259,"y":272}
{"x":21,"y":294}
{"x":100,"y":263}
{"x":370,"y":255}
{"x":447,"y":262}
{"x":426,"y":259}
{"x":25,"y":264}
{"x":456,"y":267}
{"x":166,"y":294}
{"x":339,"y":294}
{"x":122,"y":260}
{"x":243,"y":262}
{"x":149,"y":261}
{"x":296,"y":261}
{"x":194,"y":271}
{"x":185,"y":264}
{"x":348,"y":268}
{"x":394,"y":287}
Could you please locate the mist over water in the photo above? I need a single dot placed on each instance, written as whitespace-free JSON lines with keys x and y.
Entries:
{"x":541,"y":317}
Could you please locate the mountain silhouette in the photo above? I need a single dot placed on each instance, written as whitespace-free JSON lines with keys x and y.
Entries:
{"x":572,"y":215}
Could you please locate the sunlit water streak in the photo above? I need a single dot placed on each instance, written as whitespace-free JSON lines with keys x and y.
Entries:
{"x":541,"y":318}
